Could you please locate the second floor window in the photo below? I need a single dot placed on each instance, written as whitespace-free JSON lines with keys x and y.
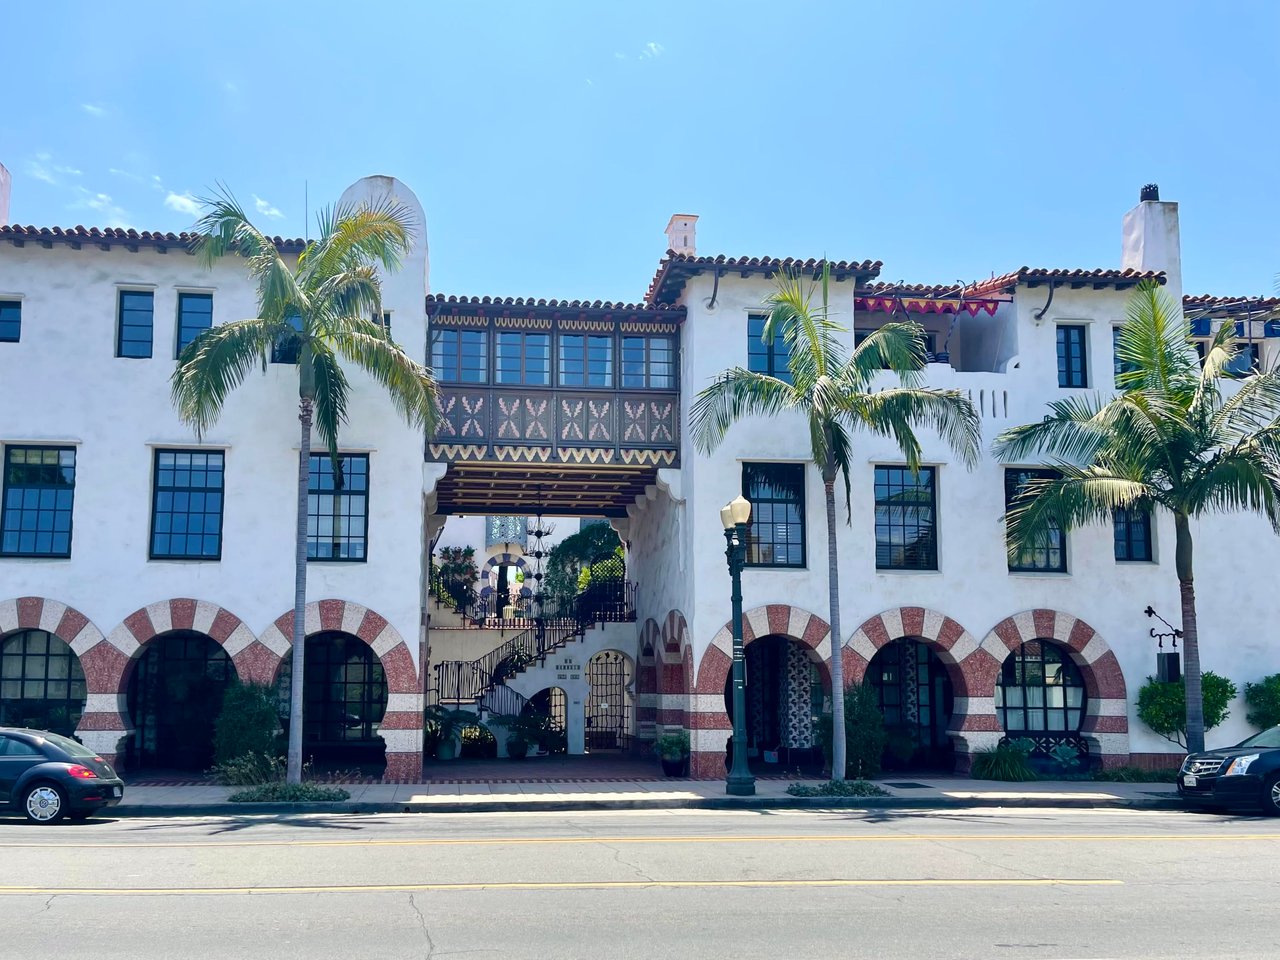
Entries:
{"x":133,"y":329}
{"x":1118,"y":366}
{"x":522,"y":358}
{"x":10,"y":321}
{"x":1049,"y":552}
{"x":1072,"y":364}
{"x":186,"y":508}
{"x":586,"y":361}
{"x":338,"y":507}
{"x":460,"y":356}
{"x":648,"y":362}
{"x":767,"y":358}
{"x":1132,"y":527}
{"x":285,"y":349}
{"x":776,"y":535}
{"x":39,"y":493}
{"x":195,"y":316}
{"x":906,"y":519}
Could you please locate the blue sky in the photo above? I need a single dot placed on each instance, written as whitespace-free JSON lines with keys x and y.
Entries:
{"x":549,"y":142}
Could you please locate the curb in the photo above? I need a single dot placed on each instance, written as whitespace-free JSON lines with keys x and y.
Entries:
{"x":702,"y":803}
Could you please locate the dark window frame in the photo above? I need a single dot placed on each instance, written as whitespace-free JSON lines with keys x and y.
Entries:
{"x":521,"y":338}
{"x":1073,"y":375}
{"x":18,"y":649}
{"x":898,"y":478}
{"x":1057,"y":538}
{"x":174,"y":490}
{"x":798,"y":485}
{"x":5,"y":509}
{"x":772,"y":359}
{"x":451,"y":368}
{"x":1033,"y":665}
{"x":286,"y":348}
{"x":122,"y":295}
{"x":650,"y":378}
{"x":574,"y":371}
{"x":185,"y":297}
{"x":13,"y":320}
{"x":1117,"y":367}
{"x":338,"y":491}
{"x":1126,"y":522}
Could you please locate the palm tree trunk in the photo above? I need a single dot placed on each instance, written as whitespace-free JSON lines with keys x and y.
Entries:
{"x":1190,"y":635}
{"x":297,"y":674}
{"x":837,"y":664}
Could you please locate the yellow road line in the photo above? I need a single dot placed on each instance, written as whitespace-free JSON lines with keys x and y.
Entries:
{"x":560,"y":885}
{"x":565,"y":841}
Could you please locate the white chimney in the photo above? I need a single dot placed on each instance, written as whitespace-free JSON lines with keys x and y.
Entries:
{"x":681,"y":234}
{"x":5,"y":181}
{"x":1151,"y":239}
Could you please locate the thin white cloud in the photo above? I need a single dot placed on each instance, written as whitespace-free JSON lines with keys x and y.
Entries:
{"x":619,"y":56}
{"x":110,"y":213}
{"x":182,"y":203}
{"x":39,"y":171}
{"x":230,"y":87}
{"x":265,"y":208}
{"x":69,"y":171}
{"x":128,"y":175}
{"x":93,"y":109}
{"x":652,"y":51}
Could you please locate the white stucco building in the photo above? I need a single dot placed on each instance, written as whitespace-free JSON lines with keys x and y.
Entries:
{"x":132,"y":549}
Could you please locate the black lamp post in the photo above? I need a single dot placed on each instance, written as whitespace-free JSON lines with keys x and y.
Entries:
{"x":734,"y":517}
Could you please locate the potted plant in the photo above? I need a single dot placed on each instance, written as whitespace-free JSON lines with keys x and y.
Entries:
{"x":673,"y":750}
{"x":517,"y":746}
{"x":447,"y":724}
{"x":525,"y":730}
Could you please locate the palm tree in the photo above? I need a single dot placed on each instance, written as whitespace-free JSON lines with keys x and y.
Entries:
{"x":316,"y":311}
{"x":832,"y":390}
{"x":1171,"y":439}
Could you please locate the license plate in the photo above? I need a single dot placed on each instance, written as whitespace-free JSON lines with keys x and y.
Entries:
{"x":117,"y":791}
{"x":1189,"y":780}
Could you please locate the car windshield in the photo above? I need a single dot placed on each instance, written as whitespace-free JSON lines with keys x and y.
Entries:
{"x":1267,"y":738}
{"x":72,"y":747}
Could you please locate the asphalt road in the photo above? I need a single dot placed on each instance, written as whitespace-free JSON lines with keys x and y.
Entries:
{"x":671,"y":884}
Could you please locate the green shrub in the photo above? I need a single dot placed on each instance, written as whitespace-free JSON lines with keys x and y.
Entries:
{"x":1137,"y":775}
{"x":289,"y":793}
{"x":247,"y":724}
{"x":1008,"y":761}
{"x":1263,"y":700}
{"x":250,"y":769}
{"x":837,"y":788}
{"x":1162,"y":705}
{"x":865,"y":733}
{"x":672,"y":746}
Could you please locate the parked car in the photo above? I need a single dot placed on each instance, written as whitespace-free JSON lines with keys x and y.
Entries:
{"x":1247,"y":774}
{"x":47,"y":776}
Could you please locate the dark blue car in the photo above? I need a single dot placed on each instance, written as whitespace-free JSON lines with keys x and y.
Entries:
{"x":47,"y":777}
{"x":1247,"y":774}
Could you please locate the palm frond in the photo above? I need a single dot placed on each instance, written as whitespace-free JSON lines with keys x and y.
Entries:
{"x":225,"y":228}
{"x":898,"y":411}
{"x":737,"y":393}
{"x":331,"y":390}
{"x":1075,"y":498}
{"x":1242,"y":479}
{"x":214,"y":364}
{"x":806,"y":328}
{"x":379,"y":231}
{"x":897,"y":346}
{"x":407,"y":382}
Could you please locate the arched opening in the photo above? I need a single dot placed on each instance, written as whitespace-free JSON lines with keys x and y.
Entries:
{"x":784,"y":694}
{"x":344,"y":699}
{"x":175,"y":694}
{"x":41,"y":683}
{"x":1041,"y":697}
{"x":916,"y":698}
{"x":477,"y":742}
{"x":552,"y":703}
{"x":610,"y":702}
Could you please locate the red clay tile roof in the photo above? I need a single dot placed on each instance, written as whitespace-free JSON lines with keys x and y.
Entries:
{"x":111,"y":236}
{"x":1233,"y":306}
{"x":882,"y":289}
{"x":529,"y":306}
{"x":1034,"y":276}
{"x":676,"y":269}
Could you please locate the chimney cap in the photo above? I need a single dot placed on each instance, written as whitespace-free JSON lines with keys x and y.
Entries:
{"x":1150,"y":191}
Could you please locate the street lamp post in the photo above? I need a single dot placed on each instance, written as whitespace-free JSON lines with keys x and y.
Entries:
{"x":734,"y":516}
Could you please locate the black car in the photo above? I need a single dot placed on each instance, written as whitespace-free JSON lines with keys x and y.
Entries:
{"x":48,"y":777}
{"x":1247,"y":774}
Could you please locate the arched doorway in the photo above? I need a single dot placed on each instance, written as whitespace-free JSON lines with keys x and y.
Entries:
{"x":549,"y":702}
{"x":41,"y":683}
{"x":344,"y":700}
{"x":916,"y":698}
{"x":175,"y":694}
{"x":785,"y":694}
{"x":609,"y":702}
{"x":1041,"y":697}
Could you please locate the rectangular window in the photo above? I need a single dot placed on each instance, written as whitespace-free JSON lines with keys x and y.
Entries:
{"x":776,"y":535}
{"x":285,"y":349}
{"x":337,"y":507}
{"x":1248,"y":360}
{"x":1050,"y":552}
{"x":186,"y":505}
{"x":522,"y":358}
{"x":195,"y":316}
{"x":599,"y":361}
{"x":39,"y":491}
{"x":1072,"y":369}
{"x":770,"y":359}
{"x":133,"y":331}
{"x":1118,"y":366}
{"x":460,"y":356}
{"x":1133,"y":533}
{"x":10,"y":320}
{"x":906,"y":519}
{"x":648,"y":363}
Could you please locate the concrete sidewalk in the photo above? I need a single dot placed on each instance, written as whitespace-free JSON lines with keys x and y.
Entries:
{"x":446,"y":797}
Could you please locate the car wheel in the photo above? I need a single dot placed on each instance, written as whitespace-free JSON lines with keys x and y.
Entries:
{"x":44,"y":803}
{"x":1271,"y":796}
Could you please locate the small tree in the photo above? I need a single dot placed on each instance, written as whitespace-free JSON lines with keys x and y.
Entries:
{"x":1162,"y":705}
{"x":1263,"y":700}
{"x":248,"y":723}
